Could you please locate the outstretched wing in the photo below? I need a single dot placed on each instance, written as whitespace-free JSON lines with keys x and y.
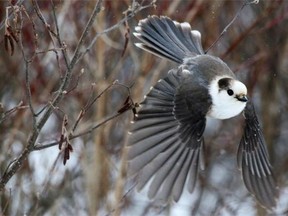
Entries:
{"x":166,"y":143}
{"x":253,"y":160}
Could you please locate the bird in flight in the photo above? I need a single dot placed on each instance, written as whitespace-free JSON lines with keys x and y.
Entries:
{"x":165,"y":143}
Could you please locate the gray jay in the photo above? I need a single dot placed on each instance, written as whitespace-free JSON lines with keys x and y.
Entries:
{"x":165,"y":143}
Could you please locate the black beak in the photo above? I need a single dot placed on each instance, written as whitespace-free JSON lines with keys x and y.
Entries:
{"x":242,"y":98}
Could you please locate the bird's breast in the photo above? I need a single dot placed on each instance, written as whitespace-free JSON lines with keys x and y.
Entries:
{"x":226,"y":111}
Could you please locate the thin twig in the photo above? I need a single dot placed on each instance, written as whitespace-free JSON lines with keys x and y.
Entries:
{"x":84,"y":132}
{"x":51,"y":33}
{"x":246,"y":2}
{"x":259,"y":19}
{"x":49,"y":50}
{"x":33,"y":137}
{"x":88,"y":106}
{"x":85,"y":33}
{"x":28,"y":61}
{"x":85,"y":109}
{"x":2,"y":24}
{"x":28,"y":92}
{"x":34,"y":33}
{"x":42,"y":18}
{"x":135,"y":9}
{"x":97,"y":125}
{"x":63,"y":45}
{"x":7,"y":113}
{"x":122,"y":198}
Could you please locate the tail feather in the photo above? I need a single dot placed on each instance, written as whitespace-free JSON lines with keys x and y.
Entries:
{"x":168,"y":39}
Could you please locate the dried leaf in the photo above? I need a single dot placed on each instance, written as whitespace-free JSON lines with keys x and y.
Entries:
{"x":61,"y":141}
{"x":6,"y":41}
{"x":12,"y":34}
{"x":11,"y":45}
{"x":70,"y":148}
{"x":66,"y":156}
{"x":126,"y":105}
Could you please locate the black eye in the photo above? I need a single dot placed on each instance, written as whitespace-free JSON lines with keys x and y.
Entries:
{"x":230,"y":92}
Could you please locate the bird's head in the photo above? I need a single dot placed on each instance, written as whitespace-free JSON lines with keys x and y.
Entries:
{"x":229,"y":97}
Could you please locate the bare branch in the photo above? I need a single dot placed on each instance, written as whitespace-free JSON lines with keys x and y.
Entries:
{"x":131,"y":12}
{"x":33,"y":137}
{"x":84,"y":132}
{"x":88,"y":106}
{"x":128,"y":105}
{"x":51,"y":33}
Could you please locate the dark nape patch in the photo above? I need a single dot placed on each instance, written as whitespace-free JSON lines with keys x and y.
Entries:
{"x":224,"y":83}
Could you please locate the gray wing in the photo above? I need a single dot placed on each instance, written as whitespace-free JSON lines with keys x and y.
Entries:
{"x":253,"y":160}
{"x":166,"y":143}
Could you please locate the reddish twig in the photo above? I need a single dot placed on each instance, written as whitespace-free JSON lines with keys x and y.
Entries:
{"x":246,"y":2}
{"x":65,"y":82}
{"x":127,"y":105}
{"x":9,"y":112}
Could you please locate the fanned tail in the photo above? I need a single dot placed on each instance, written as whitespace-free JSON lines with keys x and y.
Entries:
{"x":168,"y":39}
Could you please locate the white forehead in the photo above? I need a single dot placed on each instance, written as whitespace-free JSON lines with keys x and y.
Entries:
{"x":238,"y":87}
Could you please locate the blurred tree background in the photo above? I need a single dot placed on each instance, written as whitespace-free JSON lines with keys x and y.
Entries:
{"x":85,"y":102}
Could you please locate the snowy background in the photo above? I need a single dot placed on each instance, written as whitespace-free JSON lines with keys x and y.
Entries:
{"x":93,"y":181}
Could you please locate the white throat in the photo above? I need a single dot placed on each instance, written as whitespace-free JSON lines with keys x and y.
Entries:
{"x":225,"y":106}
